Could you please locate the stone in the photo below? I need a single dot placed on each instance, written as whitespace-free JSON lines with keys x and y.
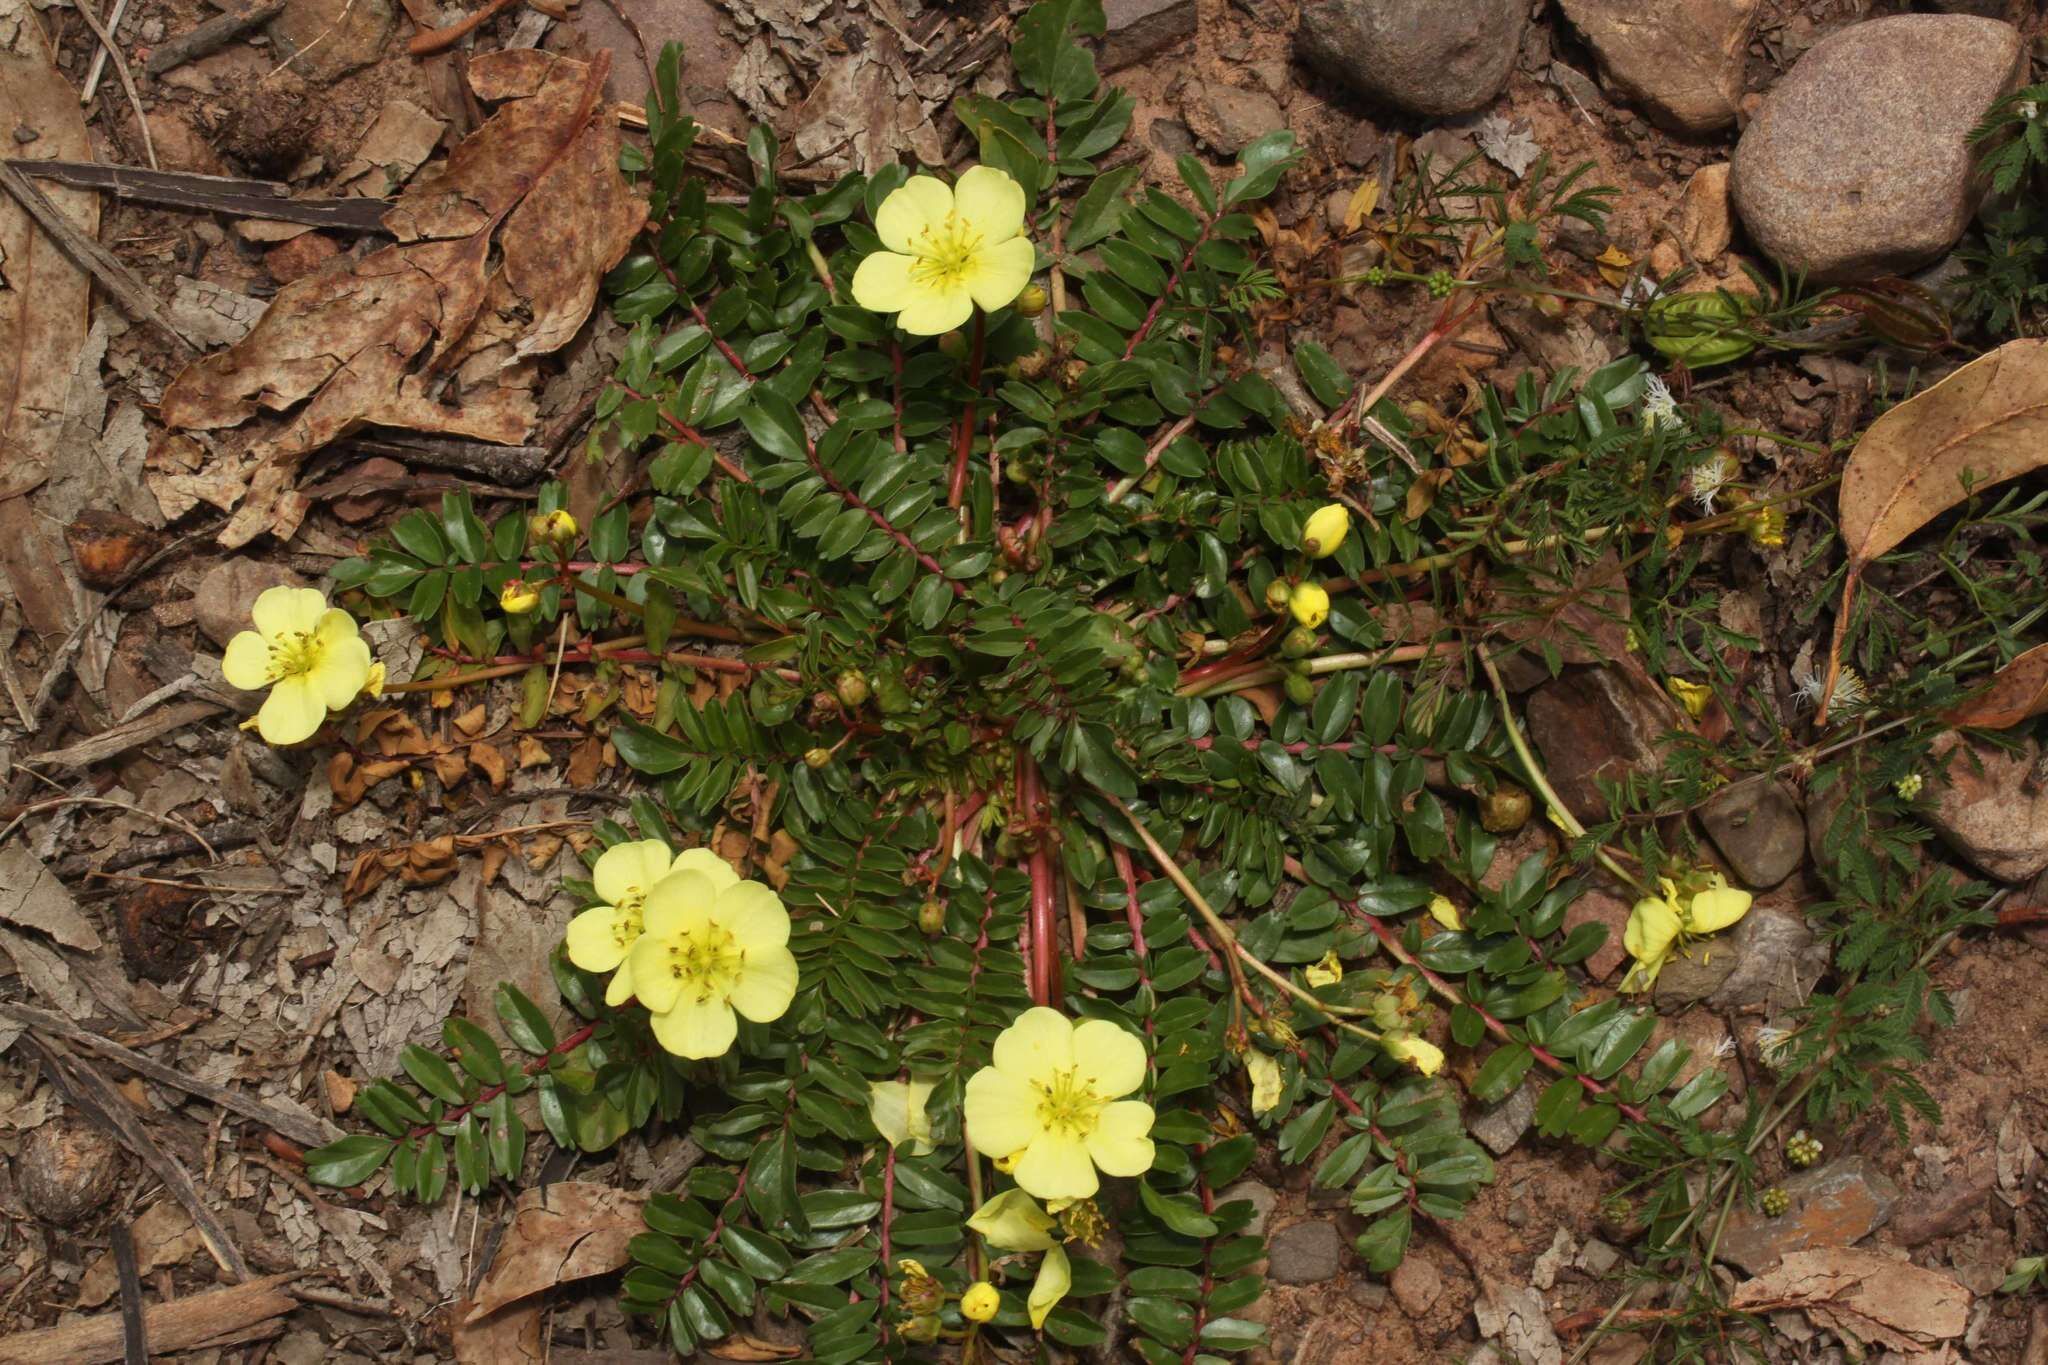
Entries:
{"x":1137,"y":29}
{"x":1500,"y":1126}
{"x":1416,"y":1284}
{"x":68,"y":1169}
{"x":327,"y":39}
{"x":1948,"y":1207}
{"x":1516,"y":1315}
{"x":1171,"y":136}
{"x":230,"y":590}
{"x":1370,"y":1295}
{"x":1680,"y":61}
{"x":1560,"y":1253}
{"x":1988,"y":808}
{"x":1776,"y":960}
{"x":1835,"y":1205}
{"x":1596,"y":1258}
{"x":1695,"y":977}
{"x":1858,"y":162}
{"x":1260,"y":1196}
{"x":1598,"y":907}
{"x":1304,"y":1253}
{"x":1430,"y":57}
{"x":1226,"y":118}
{"x":1706,"y":218}
{"x":1591,"y":724}
{"x":1759,"y":830}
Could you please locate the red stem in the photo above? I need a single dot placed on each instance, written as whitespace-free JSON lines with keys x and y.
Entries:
{"x":963,"y":435}
{"x":1152,"y":313}
{"x":688,"y":433}
{"x":1042,"y":965}
{"x":491,"y":1092}
{"x":1208,"y":1272}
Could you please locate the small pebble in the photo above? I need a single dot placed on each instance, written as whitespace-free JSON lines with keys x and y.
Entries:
{"x":25,"y":134}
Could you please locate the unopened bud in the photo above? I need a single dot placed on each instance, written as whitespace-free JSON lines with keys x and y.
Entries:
{"x":852,"y":688}
{"x":817,"y":758}
{"x":931,"y":919}
{"x":1031,"y":302}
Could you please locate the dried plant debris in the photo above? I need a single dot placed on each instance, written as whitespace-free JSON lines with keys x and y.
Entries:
{"x":499,"y":254}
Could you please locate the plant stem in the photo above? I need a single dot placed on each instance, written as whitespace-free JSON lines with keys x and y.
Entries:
{"x":963,"y":435}
{"x":491,"y":1092}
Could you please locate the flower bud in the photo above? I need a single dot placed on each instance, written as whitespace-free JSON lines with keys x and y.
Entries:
{"x":1298,"y":643}
{"x":1277,"y":593}
{"x":1031,"y":302}
{"x":518,"y":597}
{"x":981,"y":1300}
{"x":1326,"y":529}
{"x":1310,"y":604}
{"x":931,"y":919}
{"x":1299,"y":690}
{"x":923,"y":1327}
{"x":556,"y":528}
{"x":817,"y":758}
{"x":852,"y":688}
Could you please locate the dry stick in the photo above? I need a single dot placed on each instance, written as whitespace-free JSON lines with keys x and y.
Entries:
{"x":115,"y":13}
{"x":113,"y":49}
{"x":209,"y":37}
{"x":134,"y":1336}
{"x":117,"y":279}
{"x":211,"y":193}
{"x":216,"y":1316}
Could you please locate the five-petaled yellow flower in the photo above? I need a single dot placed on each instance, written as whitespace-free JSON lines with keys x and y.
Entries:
{"x":1051,"y":1102}
{"x":707,"y":948}
{"x":948,"y":249}
{"x":307,"y":653}
{"x":601,"y":939}
{"x":1326,"y":529}
{"x":1660,"y":924}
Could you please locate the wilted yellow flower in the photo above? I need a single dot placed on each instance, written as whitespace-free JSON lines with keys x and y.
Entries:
{"x":1327,"y":972}
{"x":518,"y":596}
{"x":948,"y":249}
{"x":1013,"y":1221}
{"x":1691,"y":695}
{"x":307,"y":653}
{"x":1715,"y":908}
{"x":706,"y":951}
{"x":1265,"y":1076}
{"x":601,"y":938}
{"x":1326,"y":529}
{"x":1652,"y":931}
{"x":1419,"y":1053}
{"x":1444,"y":911}
{"x":1310,"y":604}
{"x":556,"y":528}
{"x":1765,"y":525}
{"x":896,"y":1108}
{"x":980,"y":1302}
{"x":1051,"y":1098}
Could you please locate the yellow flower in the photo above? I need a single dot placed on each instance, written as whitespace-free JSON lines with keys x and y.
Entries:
{"x":1444,"y":911}
{"x":1419,"y":1053}
{"x":1013,"y":1221}
{"x":1266,"y":1086}
{"x":1051,"y":1097}
{"x":518,"y":596}
{"x":707,"y":950}
{"x":373,"y":685}
{"x":1310,"y":604}
{"x":1055,"y":1278}
{"x":980,"y":1302}
{"x":557,"y":528}
{"x":1327,"y":972}
{"x":1715,"y":908}
{"x":307,"y":653}
{"x":1765,"y":525}
{"x":948,"y":249}
{"x":1909,"y":786}
{"x":601,"y":938}
{"x":896,"y":1108}
{"x":1326,"y":529}
{"x":1691,"y":695}
{"x":1652,"y":930}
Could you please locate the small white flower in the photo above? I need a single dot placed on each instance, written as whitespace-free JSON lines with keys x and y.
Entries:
{"x":1724,"y":1048}
{"x":1641,"y":289}
{"x":1706,"y":481}
{"x":1773,"y":1046}
{"x":2028,"y":109}
{"x":1808,"y":684}
{"x":1659,"y":407}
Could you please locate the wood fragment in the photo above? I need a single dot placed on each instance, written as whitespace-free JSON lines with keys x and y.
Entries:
{"x":511,"y":465}
{"x":134,"y":1335}
{"x":190,"y":1323}
{"x":113,"y":50}
{"x":312,"y":1132}
{"x":121,"y":738}
{"x":117,"y":279}
{"x":225,"y":835}
{"x":227,"y":194}
{"x":210,"y":36}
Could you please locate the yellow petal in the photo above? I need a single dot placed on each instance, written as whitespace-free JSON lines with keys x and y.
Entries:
{"x":292,"y":712}
{"x":881,"y":282}
{"x":897,"y":1109}
{"x":1310,"y":604}
{"x":342,"y":669}
{"x":247,"y":662}
{"x":997,"y":274}
{"x":653,"y":982}
{"x":1327,"y":972}
{"x":1444,"y":911}
{"x":1122,"y":1143}
{"x":1055,"y":1278}
{"x":766,"y":985}
{"x":1013,"y":1221}
{"x":679,"y":901}
{"x":1715,"y":909}
{"x":287,"y":611}
{"x":620,"y":989}
{"x":754,"y":915}
{"x":373,"y":685}
{"x":933,"y":310}
{"x":1265,"y":1075}
{"x":1056,"y":1166}
{"x":990,"y":204}
{"x":696,"y":1028}
{"x":920,"y":206}
{"x":1419,"y":1053}
{"x":592,"y":939}
{"x":1326,"y":529}
{"x":1037,"y":1045}
{"x":1108,"y":1059}
{"x":1001,"y":1112}
{"x":710,"y":864}
{"x":629,"y":869}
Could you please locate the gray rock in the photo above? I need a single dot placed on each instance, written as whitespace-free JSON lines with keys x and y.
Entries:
{"x":1679,"y":60}
{"x":1500,"y":1126}
{"x":1226,"y":118}
{"x":1416,"y":1283}
{"x":1596,"y":1258}
{"x":1758,"y":828}
{"x":1304,"y":1253}
{"x":1516,"y":1315}
{"x":1170,"y":136}
{"x":1695,"y":977}
{"x":1370,"y":1295}
{"x":1430,"y":57}
{"x":1776,"y":960}
{"x":230,"y":589}
{"x":1858,"y":163}
{"x":1988,"y":809}
{"x":1590,"y":724}
{"x":1835,"y":1205}
{"x":1137,"y":29}
{"x":1260,"y":1196}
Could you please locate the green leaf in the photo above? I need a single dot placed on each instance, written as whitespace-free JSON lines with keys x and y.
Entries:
{"x":756,"y":1252}
{"x":523,"y":1021}
{"x":1179,"y":1212}
{"x":1325,"y":378}
{"x":1502,"y":1072}
{"x":1385,"y":1242}
{"x":775,"y":426}
{"x":1264,"y":160}
{"x":348,"y":1161}
{"x":1048,"y":61}
{"x":1100,"y":210}
{"x":431,"y":1073}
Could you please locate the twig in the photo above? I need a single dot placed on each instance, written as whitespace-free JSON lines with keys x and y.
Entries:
{"x":117,"y":279}
{"x":213,"y":1317}
{"x":99,"y":58}
{"x":134,"y":1337}
{"x":1121,"y":487}
{"x":113,"y":50}
{"x":211,"y":193}
{"x":173,"y":821}
{"x":225,"y":835}
{"x":210,"y":36}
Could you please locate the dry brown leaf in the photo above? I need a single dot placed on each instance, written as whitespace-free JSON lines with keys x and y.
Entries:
{"x":2017,"y":692}
{"x":508,"y":1338}
{"x":33,"y":899}
{"x":566,"y":1231}
{"x":741,"y":1346}
{"x":428,"y":333}
{"x":1363,"y":201}
{"x":1865,"y":1296}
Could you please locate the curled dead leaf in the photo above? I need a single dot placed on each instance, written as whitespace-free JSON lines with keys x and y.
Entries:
{"x":2018,"y":692}
{"x":1870,"y":1298}
{"x":566,"y":1231}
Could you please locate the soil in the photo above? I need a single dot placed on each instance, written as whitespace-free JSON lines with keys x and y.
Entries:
{"x":247,"y":971}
